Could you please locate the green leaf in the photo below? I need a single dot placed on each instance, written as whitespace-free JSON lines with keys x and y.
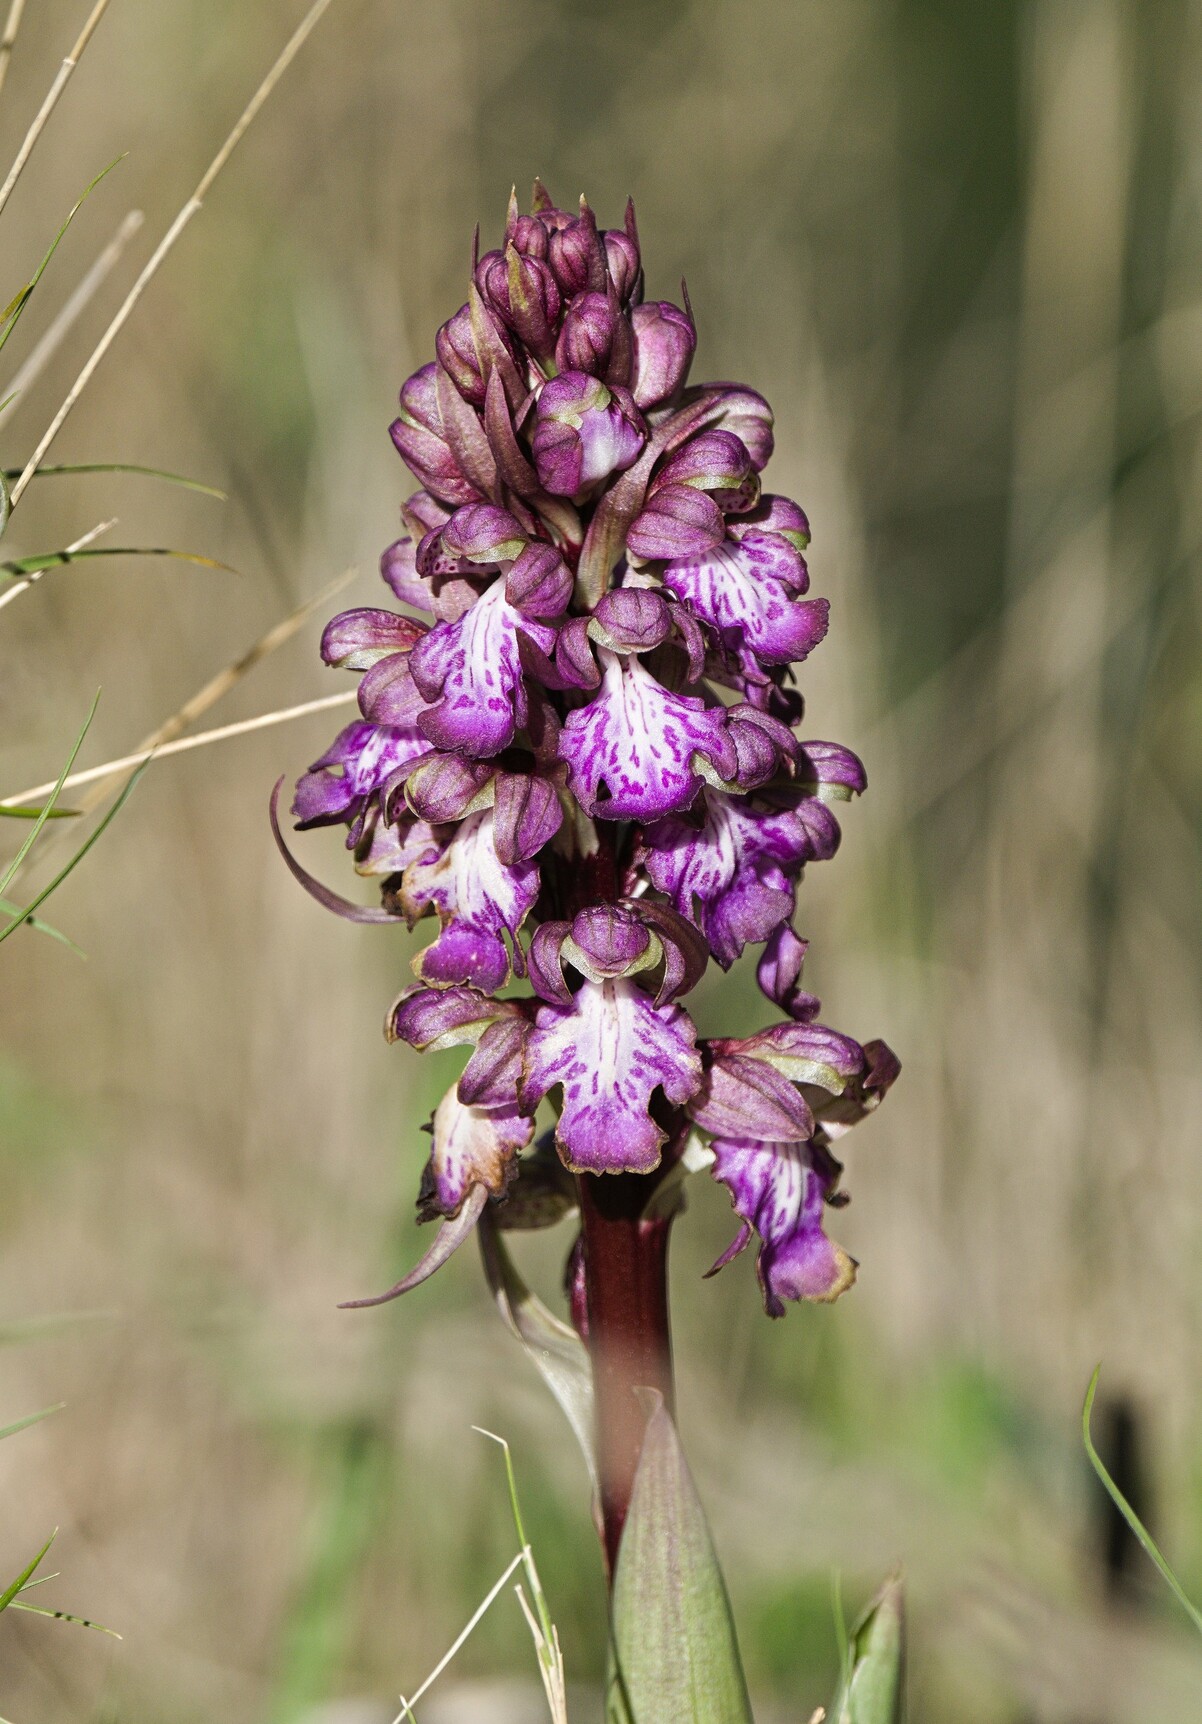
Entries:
{"x":63,"y":1616}
{"x":675,"y":1651}
{"x":26,"y":1574}
{"x":16,"y":811}
{"x":11,"y":315}
{"x":872,"y":1691}
{"x":117,"y":467}
{"x":30,"y":1419}
{"x":1128,"y":1513}
{"x":6,"y":502}
{"x":45,"y":813}
{"x":556,"y":1350}
{"x":78,"y":857}
{"x":23,"y":567}
{"x":40,"y":927}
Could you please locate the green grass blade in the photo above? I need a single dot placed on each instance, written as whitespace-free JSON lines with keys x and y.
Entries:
{"x":532,"y":1575}
{"x":1128,"y":1513}
{"x":46,"y":812}
{"x":26,"y":1574}
{"x":116,"y":467}
{"x":40,"y":927}
{"x":24,"y":567}
{"x":11,"y":315}
{"x":78,"y":857}
{"x":30,"y":1419}
{"x":14,"y":811}
{"x":6,"y":502}
{"x":64,"y":1616}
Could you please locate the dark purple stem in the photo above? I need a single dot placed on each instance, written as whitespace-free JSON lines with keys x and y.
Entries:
{"x":625,"y":1268}
{"x":626,"y":1280}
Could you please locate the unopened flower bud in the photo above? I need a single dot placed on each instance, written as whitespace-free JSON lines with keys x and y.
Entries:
{"x":664,"y":344}
{"x":422,"y":443}
{"x":523,"y":292}
{"x":584,"y":432}
{"x":595,"y":337}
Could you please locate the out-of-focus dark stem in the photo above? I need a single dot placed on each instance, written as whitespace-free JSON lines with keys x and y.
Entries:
{"x":626,"y":1276}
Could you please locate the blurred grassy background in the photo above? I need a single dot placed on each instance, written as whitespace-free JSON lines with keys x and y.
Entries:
{"x":958,"y":248}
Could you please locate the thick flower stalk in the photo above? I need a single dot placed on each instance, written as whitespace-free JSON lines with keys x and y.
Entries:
{"x":577,"y":754}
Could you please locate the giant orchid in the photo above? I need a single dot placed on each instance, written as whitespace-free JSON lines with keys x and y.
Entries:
{"x":577,"y":754}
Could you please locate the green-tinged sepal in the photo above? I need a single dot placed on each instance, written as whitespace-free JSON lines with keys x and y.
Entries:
{"x":872,"y":1692}
{"x":674,"y":1650}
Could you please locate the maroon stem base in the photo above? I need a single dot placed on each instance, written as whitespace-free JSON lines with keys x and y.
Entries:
{"x":626,"y":1268}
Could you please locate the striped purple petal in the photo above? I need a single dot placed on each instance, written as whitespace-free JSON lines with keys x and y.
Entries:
{"x":610,"y":1051}
{"x":636,"y":751}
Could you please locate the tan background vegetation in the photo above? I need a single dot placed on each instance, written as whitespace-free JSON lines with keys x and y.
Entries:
{"x":958,"y":248}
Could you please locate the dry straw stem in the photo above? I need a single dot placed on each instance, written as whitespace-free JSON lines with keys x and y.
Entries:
{"x":242,"y":728}
{"x":407,"y":1706}
{"x":218,"y":686}
{"x":62,"y":77}
{"x":82,"y":544}
{"x":45,"y":349}
{"x":166,"y":244}
{"x":12,"y":25}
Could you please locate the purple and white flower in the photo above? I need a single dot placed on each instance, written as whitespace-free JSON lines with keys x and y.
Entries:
{"x":583,"y":761}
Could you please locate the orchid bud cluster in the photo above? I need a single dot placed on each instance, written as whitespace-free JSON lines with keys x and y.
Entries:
{"x":580,"y":759}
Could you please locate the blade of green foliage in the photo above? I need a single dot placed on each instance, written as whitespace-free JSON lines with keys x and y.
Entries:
{"x":675,"y":1651}
{"x":40,"y":927}
{"x":556,"y":1350}
{"x":78,"y":857}
{"x":26,"y":1574}
{"x":11,"y":315}
{"x":64,"y":1616}
{"x":119,"y":467}
{"x":6,"y":502}
{"x":17,"y":811}
{"x":41,"y":819}
{"x":546,"y":1640}
{"x":1128,"y":1513}
{"x":23,"y":567}
{"x":30,"y":1419}
{"x":872,"y":1692}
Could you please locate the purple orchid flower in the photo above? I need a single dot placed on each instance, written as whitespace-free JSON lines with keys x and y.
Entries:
{"x":584,"y":432}
{"x":582,"y":761}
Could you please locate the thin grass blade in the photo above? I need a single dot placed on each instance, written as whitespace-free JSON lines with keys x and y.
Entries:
{"x":1128,"y":1513}
{"x":64,"y":1616}
{"x":30,"y":1419}
{"x":24,"y":568}
{"x":11,"y":316}
{"x":41,"y":819}
{"x":78,"y":857}
{"x":26,"y":1574}
{"x":39,"y":927}
{"x":21,"y":811}
{"x":122,"y":467}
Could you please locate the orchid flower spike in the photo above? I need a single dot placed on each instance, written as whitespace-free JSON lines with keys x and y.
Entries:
{"x":576,"y":757}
